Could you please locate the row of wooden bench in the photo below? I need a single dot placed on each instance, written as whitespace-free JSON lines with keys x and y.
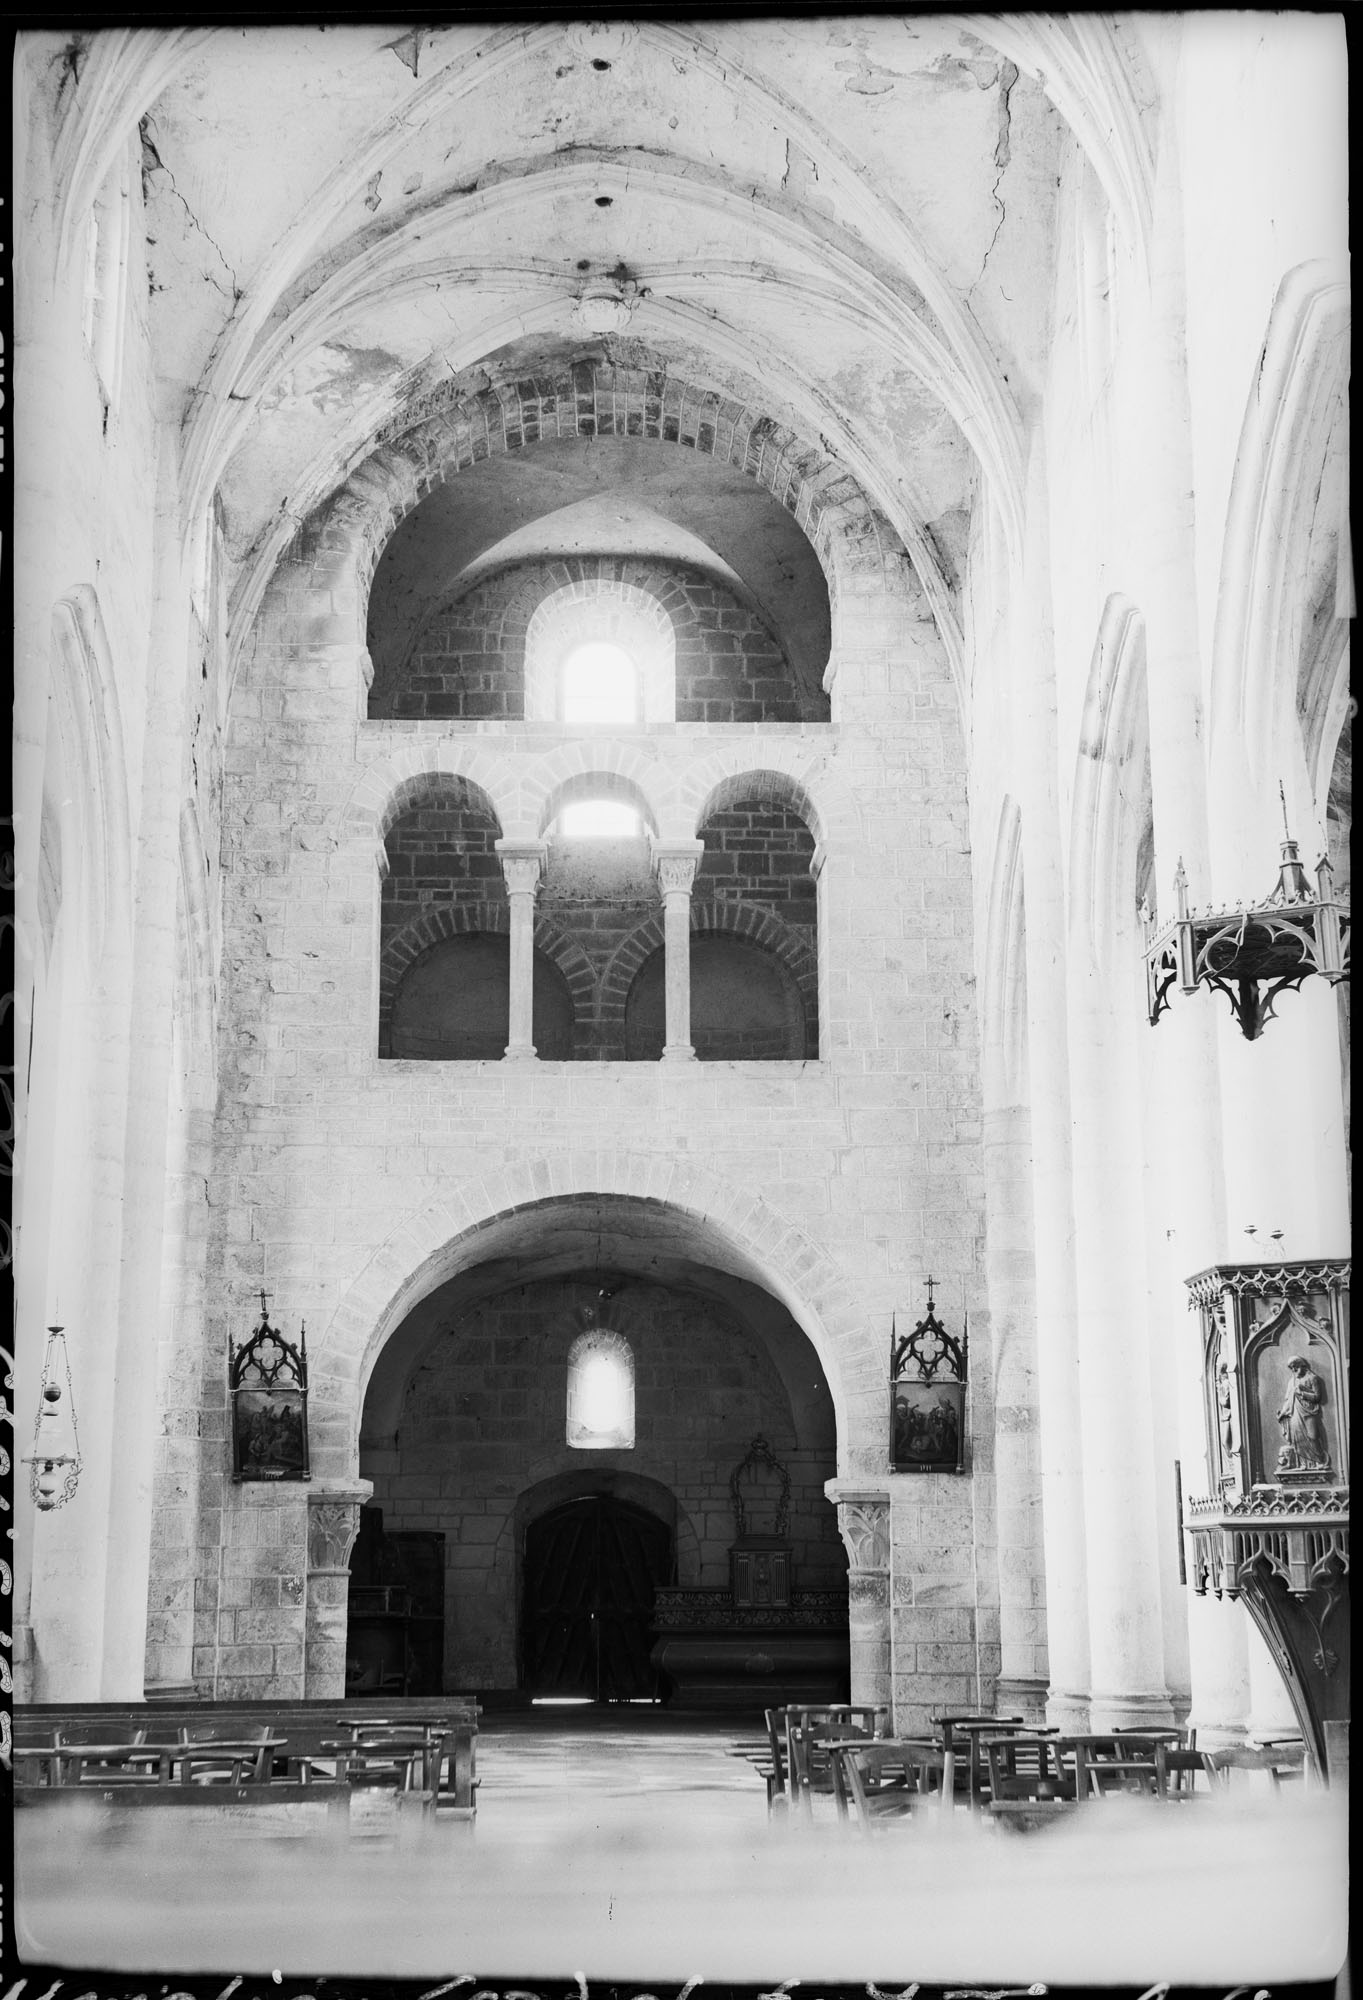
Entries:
{"x":164,"y":1753}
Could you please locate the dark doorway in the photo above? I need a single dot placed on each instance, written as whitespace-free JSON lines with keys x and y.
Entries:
{"x":395,"y":1632}
{"x":587,"y":1597}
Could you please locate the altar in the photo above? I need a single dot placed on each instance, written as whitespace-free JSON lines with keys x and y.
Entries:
{"x":761,"y":1643}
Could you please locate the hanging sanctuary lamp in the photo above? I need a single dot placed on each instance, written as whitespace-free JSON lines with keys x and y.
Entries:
{"x":55,"y":1457}
{"x":1252,"y":955}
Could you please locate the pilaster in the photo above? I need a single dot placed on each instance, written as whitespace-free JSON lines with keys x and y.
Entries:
{"x":333,"y":1523}
{"x":864,"y":1524}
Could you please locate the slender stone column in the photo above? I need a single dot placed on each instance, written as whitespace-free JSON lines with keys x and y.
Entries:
{"x":1185,"y":1141}
{"x":1121,"y":1517}
{"x":864,"y":1524}
{"x":676,"y":862}
{"x":1056,"y":1310}
{"x":333,"y":1523}
{"x":1011,"y":1280}
{"x":522,"y":865}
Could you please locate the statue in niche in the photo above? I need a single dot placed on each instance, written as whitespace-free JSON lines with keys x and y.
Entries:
{"x":1225,"y":1398}
{"x":1224,"y":1408}
{"x":1304,"y":1446}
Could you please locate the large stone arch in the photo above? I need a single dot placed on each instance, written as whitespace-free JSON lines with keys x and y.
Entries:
{"x":487,"y":1215}
{"x":333,"y":557}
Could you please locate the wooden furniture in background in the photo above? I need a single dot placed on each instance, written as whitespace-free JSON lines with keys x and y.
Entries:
{"x":885,"y":1779}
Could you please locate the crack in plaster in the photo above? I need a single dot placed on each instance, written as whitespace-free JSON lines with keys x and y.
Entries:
{"x":70,"y":58}
{"x":1003,"y":149}
{"x":151,"y":163}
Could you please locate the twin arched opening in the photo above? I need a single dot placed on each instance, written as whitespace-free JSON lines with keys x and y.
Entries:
{"x":598,"y":941}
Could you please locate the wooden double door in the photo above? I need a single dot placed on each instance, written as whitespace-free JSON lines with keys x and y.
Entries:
{"x":588,"y":1579}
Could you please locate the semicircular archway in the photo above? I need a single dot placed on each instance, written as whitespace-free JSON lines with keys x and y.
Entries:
{"x":468,"y":1433}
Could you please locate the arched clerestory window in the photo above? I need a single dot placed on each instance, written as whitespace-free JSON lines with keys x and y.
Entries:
{"x":601,"y":1391}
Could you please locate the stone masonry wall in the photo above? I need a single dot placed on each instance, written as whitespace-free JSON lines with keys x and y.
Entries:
{"x":338,"y":1179}
{"x":468,"y":662}
{"x":760,"y":854}
{"x":483,"y":1422}
{"x":441,"y":853}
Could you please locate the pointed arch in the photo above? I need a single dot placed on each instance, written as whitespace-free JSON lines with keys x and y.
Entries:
{"x":1293,"y":410}
{"x":1111,"y":790}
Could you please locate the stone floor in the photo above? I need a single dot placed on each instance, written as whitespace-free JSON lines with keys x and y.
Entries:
{"x":630,"y":1845}
{"x":573,"y":1768}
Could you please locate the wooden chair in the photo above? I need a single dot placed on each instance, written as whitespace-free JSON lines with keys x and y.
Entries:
{"x":777,"y":1770}
{"x":449,"y":1760}
{"x":397,"y":1761}
{"x":1178,"y":1769}
{"x":1031,"y":1779}
{"x":1123,"y":1763}
{"x":809,"y":1731}
{"x":108,"y":1765}
{"x":1280,"y":1760}
{"x":885,"y":1778}
{"x":961,"y":1740}
{"x":211,"y":1759}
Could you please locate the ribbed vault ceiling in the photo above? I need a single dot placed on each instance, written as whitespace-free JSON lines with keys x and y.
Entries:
{"x":853,"y":213}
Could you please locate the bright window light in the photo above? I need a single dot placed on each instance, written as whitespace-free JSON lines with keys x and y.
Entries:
{"x":598,"y":817}
{"x":601,"y":1392}
{"x":602,"y":1405}
{"x":600,"y":686}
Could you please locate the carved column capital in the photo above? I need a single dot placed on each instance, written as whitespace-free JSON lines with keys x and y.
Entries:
{"x":522,"y":865}
{"x":864,"y":1524}
{"x":333,"y":1523}
{"x":675,"y":863}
